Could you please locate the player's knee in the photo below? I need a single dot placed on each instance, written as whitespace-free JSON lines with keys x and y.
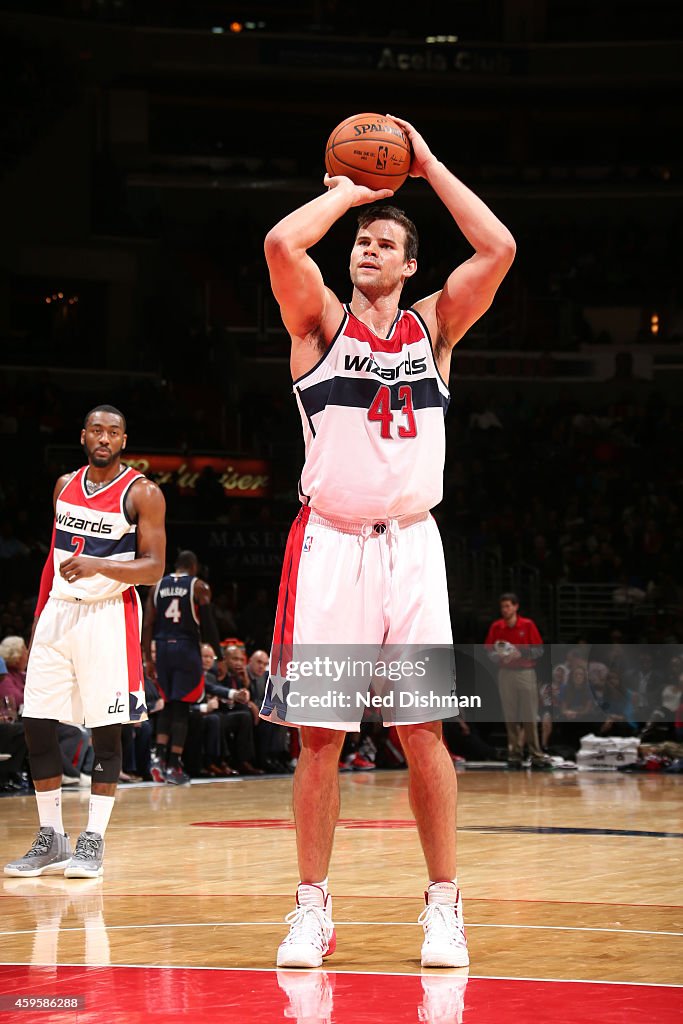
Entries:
{"x":106,"y":742}
{"x":43,"y":747}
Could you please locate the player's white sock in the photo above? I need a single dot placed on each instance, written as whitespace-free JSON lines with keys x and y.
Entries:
{"x":99,"y":813}
{"x":307,"y":891}
{"x":50,"y":809}
{"x":443,"y":892}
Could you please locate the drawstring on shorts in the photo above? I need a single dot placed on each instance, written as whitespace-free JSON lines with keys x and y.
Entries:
{"x":365,"y":528}
{"x":365,"y":531}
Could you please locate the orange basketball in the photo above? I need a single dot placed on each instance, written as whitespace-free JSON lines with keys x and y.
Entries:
{"x":371,"y":149}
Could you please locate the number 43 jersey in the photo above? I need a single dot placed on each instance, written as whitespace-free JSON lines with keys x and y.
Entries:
{"x":95,"y":526}
{"x":373,"y":412}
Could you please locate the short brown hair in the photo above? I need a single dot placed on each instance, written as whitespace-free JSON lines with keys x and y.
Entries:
{"x":370,"y":213}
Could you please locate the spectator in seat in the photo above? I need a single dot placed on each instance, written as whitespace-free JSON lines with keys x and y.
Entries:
{"x":645,"y":684}
{"x":270,"y":738}
{"x":237,"y":717}
{"x":12,"y":742}
{"x":577,"y":707}
{"x":550,"y":699}
{"x":204,"y":747}
{"x":614,"y":702}
{"x":14,"y":652}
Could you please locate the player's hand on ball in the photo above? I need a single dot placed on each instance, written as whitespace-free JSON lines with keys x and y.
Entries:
{"x":359,"y":194}
{"x":422,"y":154}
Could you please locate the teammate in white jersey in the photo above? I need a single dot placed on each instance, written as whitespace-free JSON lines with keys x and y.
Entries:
{"x":85,"y":662}
{"x":364,"y":562}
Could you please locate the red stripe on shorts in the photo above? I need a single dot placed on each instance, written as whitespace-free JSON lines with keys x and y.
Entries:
{"x":283,"y":634}
{"x":193,"y":696}
{"x":133,"y":650}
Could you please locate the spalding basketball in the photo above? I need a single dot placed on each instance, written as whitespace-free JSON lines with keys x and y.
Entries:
{"x":371,"y":149}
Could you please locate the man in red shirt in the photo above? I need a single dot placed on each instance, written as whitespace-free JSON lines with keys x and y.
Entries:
{"x":515,"y":645}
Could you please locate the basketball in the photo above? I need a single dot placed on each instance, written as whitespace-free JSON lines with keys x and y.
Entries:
{"x":371,"y":149}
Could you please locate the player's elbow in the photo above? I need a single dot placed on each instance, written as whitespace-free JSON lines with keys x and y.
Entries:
{"x":153,"y":571}
{"x":506,"y":249}
{"x":277,"y":245}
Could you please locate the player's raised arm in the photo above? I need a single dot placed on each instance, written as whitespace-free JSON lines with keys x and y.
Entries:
{"x":470,"y":289}
{"x":295,"y":278}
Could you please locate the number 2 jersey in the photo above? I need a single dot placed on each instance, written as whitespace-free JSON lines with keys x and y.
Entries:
{"x":177,"y":617}
{"x":372,"y":411}
{"x":94,"y":525}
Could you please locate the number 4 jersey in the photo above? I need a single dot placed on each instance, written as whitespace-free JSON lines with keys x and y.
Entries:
{"x":94,"y":525}
{"x":373,"y":412}
{"x":177,"y":615}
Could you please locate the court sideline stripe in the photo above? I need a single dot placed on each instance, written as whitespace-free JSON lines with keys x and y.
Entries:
{"x":342,"y":896}
{"x":378,"y":924}
{"x":374,"y":974}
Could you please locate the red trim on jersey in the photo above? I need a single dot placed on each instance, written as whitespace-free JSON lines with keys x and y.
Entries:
{"x":106,"y":500}
{"x":283,"y":634}
{"x":73,"y":489}
{"x":133,"y":649}
{"x":407,"y":331}
{"x":47,"y":576}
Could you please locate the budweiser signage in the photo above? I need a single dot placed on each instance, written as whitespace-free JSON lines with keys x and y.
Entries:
{"x":241,"y":478}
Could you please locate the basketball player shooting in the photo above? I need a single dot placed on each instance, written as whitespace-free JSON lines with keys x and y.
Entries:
{"x":85,"y":664}
{"x":373,"y":469}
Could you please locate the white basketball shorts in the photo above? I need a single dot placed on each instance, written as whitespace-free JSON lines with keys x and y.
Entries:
{"x":85,"y":664}
{"x":347,"y":583}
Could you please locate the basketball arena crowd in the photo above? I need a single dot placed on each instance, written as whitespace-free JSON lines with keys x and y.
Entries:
{"x":577,"y":494}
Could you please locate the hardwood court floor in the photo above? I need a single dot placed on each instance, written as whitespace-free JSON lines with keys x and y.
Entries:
{"x":572,"y":885}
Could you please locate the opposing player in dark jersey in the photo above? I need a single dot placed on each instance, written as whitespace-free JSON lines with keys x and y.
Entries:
{"x":364,"y":562}
{"x":178,"y":616}
{"x":85,"y":666}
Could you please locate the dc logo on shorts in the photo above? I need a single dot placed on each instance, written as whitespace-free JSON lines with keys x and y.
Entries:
{"x":308,"y":543}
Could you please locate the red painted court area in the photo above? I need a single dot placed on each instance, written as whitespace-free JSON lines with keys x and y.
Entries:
{"x":136,"y":995}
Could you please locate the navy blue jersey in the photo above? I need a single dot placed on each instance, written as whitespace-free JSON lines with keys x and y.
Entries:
{"x":177,"y":615}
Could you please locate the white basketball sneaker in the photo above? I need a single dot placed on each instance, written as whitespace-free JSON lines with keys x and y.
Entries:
{"x":445,"y":944}
{"x":311,"y":932}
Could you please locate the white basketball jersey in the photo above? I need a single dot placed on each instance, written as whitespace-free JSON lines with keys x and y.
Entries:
{"x":93,"y":525}
{"x":372,"y":411}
